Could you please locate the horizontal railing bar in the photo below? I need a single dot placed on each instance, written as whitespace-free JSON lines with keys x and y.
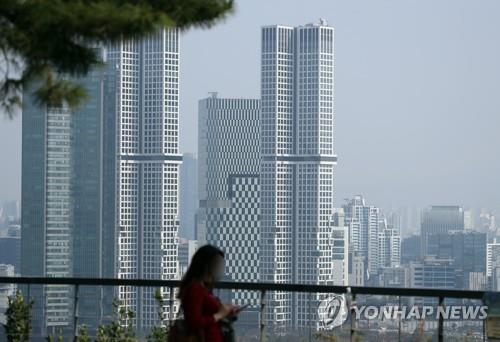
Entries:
{"x":383,"y":291}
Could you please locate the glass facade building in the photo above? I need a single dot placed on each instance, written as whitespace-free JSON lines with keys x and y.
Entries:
{"x":440,"y":219}
{"x":65,"y":232}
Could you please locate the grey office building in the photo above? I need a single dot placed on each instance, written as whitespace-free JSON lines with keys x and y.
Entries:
{"x":440,"y":219}
{"x":467,"y":250}
{"x":297,"y":165}
{"x":188,"y":197}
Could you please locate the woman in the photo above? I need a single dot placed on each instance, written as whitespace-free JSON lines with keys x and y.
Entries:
{"x":202,"y":310}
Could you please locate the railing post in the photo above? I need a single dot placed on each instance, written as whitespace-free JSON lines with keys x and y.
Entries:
{"x":441,"y":319}
{"x":75,"y":313}
{"x":262,"y":337}
{"x":353,"y":316}
{"x":399,"y":321}
{"x":172,"y":300}
{"x":310,"y":313}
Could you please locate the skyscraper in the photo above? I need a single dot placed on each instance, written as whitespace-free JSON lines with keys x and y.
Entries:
{"x":45,"y":218}
{"x":440,"y":219}
{"x":363,"y":222}
{"x":148,"y":160}
{"x":389,"y":245}
{"x":492,"y":257}
{"x":340,"y":246}
{"x":65,"y":229}
{"x":297,"y":164}
{"x":93,"y":197}
{"x":228,"y":148}
{"x":100,"y":185}
{"x":188,"y":196}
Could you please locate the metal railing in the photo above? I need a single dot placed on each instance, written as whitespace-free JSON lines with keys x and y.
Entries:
{"x":262,"y":288}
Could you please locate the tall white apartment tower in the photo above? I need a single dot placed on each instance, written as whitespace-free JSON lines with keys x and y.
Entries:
{"x":340,"y":246}
{"x":363,"y":222}
{"x":297,"y":165}
{"x":147,"y":166}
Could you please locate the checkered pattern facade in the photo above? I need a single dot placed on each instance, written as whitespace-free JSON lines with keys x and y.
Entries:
{"x":229,"y":185}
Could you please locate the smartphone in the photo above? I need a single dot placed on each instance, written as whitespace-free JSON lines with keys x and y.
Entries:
{"x":243,"y":307}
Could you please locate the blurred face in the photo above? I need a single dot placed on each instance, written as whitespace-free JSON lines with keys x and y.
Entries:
{"x":218,"y":268}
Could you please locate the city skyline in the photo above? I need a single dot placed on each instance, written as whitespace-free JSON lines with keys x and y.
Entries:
{"x":359,"y":174}
{"x":428,"y":171}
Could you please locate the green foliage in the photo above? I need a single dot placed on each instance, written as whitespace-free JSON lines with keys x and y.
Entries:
{"x":120,"y":329}
{"x":40,"y":40}
{"x":59,"y":338}
{"x":159,"y":333}
{"x":322,"y":336}
{"x":18,"y":326}
{"x":83,"y":335}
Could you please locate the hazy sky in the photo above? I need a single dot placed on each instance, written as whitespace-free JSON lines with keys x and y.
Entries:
{"x":417,"y":94}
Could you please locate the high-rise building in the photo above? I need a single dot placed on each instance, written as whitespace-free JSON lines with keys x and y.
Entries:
{"x":100,"y":186}
{"x":340,"y":245}
{"x":492,"y":257}
{"x":66,"y":230}
{"x":188,"y":205}
{"x":45,"y":220}
{"x":440,"y":219}
{"x":187,"y":248}
{"x":297,"y":164}
{"x":363,"y":221}
{"x":389,"y":245}
{"x":466,"y":249}
{"x":148,"y":160}
{"x":228,"y":149}
{"x":411,"y":249}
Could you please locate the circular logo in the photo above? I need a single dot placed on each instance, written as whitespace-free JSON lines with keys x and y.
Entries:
{"x":332,"y":311}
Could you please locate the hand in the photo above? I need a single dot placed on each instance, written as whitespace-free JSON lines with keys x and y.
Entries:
{"x":224,"y":311}
{"x":235,"y":310}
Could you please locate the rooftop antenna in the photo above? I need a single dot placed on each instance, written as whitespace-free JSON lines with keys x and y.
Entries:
{"x":323,"y":22}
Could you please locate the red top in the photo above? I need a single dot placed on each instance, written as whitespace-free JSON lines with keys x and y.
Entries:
{"x":199,"y":307}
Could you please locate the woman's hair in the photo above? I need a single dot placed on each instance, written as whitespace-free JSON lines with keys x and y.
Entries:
{"x":202,"y":264}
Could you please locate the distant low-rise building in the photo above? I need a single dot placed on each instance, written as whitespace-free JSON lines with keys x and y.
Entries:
{"x":357,"y":273}
{"x":10,"y":248}
{"x":394,"y":277}
{"x":433,"y":273}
